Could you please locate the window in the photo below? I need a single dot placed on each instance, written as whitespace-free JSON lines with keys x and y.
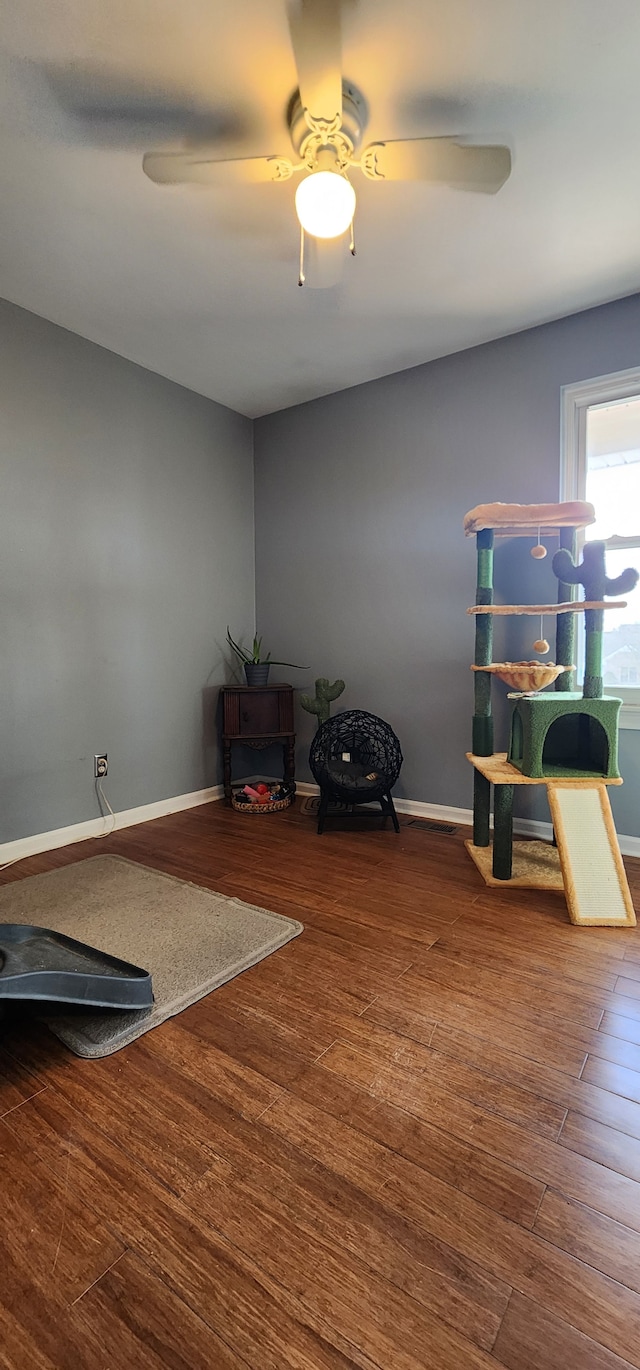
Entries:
{"x":601,"y":463}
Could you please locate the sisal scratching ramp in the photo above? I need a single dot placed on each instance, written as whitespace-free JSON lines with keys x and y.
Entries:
{"x":595,"y":881}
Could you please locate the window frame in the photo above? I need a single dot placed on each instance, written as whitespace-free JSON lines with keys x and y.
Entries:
{"x":576,"y":399}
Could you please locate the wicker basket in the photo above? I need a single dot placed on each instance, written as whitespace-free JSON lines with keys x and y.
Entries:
{"x":275,"y":806}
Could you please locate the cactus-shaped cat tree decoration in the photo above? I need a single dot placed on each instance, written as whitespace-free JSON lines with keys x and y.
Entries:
{"x":591,"y":574}
{"x":324,"y":696}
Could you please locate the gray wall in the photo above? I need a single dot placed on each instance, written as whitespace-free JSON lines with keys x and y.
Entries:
{"x":126,"y":546}
{"x":361,"y":566}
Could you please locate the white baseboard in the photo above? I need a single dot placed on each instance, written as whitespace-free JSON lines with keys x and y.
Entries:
{"x":97,"y":827}
{"x":443,"y":813}
{"x":414,"y":808}
{"x":629,"y":846}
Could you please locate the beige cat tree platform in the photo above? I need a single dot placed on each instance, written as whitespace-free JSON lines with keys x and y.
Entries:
{"x":564,"y":740}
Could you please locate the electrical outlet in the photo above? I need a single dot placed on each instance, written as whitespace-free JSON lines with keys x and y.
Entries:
{"x":100,"y":766}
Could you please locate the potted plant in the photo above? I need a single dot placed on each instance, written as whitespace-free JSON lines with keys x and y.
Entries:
{"x":256,"y":666}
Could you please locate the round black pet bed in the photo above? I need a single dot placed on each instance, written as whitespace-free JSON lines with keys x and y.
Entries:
{"x":355,"y":758}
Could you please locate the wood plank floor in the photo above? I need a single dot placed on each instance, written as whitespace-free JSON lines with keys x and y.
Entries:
{"x":409,"y":1139}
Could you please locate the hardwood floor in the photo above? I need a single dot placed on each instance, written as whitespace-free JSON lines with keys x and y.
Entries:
{"x":409,"y":1140}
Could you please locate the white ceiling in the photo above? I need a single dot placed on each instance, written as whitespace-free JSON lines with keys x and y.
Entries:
{"x":200,"y":284}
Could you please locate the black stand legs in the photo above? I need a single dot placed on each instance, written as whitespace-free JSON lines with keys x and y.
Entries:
{"x":386,"y":804}
{"x":388,"y":809}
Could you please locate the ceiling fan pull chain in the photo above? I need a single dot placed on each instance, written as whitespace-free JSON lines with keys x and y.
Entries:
{"x":301,"y":275}
{"x":352,"y":241}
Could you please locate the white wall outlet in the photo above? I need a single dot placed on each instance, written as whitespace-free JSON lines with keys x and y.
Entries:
{"x":100,"y":766}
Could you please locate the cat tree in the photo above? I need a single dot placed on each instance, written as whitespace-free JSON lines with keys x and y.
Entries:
{"x":563,"y":739}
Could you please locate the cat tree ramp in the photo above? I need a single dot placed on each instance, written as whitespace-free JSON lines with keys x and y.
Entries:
{"x":563,"y":739}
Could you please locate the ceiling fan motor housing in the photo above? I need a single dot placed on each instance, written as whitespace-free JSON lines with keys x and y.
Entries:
{"x":310,"y":136}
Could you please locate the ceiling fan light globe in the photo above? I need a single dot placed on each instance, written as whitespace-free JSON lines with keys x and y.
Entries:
{"x":325,"y":204}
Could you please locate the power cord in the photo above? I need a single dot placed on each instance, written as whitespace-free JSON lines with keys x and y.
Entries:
{"x":102,"y":799}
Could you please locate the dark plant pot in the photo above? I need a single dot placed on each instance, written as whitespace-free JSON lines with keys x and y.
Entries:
{"x":257,"y":672}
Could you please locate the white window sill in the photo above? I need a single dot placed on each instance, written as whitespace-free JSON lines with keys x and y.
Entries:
{"x":630,"y":717}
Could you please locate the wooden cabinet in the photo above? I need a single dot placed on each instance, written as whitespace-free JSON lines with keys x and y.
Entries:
{"x":257,"y":716}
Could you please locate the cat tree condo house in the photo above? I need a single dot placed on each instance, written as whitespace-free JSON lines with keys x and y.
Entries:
{"x":561,"y":738}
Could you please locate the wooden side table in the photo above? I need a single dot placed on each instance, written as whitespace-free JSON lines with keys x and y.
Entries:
{"x":258,"y":715}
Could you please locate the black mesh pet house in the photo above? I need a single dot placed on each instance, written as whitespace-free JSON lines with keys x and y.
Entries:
{"x":355,"y":759}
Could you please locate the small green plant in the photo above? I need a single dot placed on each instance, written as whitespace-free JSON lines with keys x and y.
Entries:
{"x":254,"y":656}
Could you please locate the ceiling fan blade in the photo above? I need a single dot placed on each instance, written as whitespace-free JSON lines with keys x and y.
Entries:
{"x":316,"y":37}
{"x":195,"y":168}
{"x":460,"y":165}
{"x":113,"y":109}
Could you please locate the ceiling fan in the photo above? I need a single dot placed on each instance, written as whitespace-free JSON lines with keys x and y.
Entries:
{"x":326,"y":118}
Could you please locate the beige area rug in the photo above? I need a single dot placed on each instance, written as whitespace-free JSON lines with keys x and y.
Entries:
{"x":190,"y":939}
